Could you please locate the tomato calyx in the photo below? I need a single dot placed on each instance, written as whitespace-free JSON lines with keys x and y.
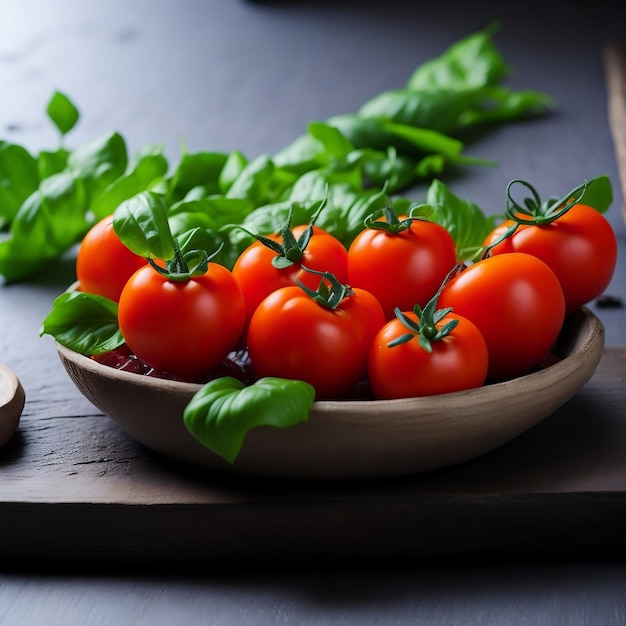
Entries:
{"x":533,"y":211}
{"x":184,"y":266}
{"x":426,"y":328}
{"x":391,"y":224}
{"x":289,"y":250}
{"x":330,"y":291}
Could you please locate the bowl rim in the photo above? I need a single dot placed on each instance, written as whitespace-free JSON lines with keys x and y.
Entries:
{"x":595,"y":328}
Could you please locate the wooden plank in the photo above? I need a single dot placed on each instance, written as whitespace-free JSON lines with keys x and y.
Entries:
{"x":615,"y":72}
{"x":79,"y":488}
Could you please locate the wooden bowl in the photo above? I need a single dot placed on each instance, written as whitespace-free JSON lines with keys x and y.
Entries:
{"x":12,"y":400}
{"x":352,"y":439}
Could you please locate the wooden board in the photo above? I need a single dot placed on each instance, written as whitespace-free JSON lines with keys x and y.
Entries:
{"x":75,"y":487}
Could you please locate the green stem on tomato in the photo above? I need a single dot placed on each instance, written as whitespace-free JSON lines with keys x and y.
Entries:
{"x":330,"y":292}
{"x":391,"y":224}
{"x":289,"y":250}
{"x":534,"y":212}
{"x":425,"y":329}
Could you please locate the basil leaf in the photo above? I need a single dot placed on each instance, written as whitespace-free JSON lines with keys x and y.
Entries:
{"x":254,"y":182}
{"x":193,"y":170}
{"x":19,"y":178}
{"x":365,"y":132}
{"x":83,"y":322}
{"x":436,"y":109}
{"x":464,"y":220}
{"x":334,"y":142}
{"x":599,"y":193}
{"x":221,"y":413}
{"x":150,"y":168}
{"x":303,"y":154}
{"x":142,"y":225}
{"x":47,"y":224}
{"x":99,"y":162}
{"x":62,"y":112}
{"x":472,"y":61}
{"x":50,"y":163}
{"x":234,"y":165}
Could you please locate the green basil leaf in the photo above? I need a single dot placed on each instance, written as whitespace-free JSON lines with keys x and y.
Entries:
{"x":221,"y":413}
{"x":62,"y":112}
{"x":353,"y":208}
{"x":193,"y":170}
{"x":472,"y":61}
{"x":364,"y":132}
{"x":255,"y":181}
{"x":151,"y":167}
{"x":100,"y":161}
{"x":215,"y":211}
{"x":83,"y":322}
{"x":465,"y":221}
{"x":303,"y":154}
{"x":50,"y":163}
{"x":19,"y":178}
{"x":47,"y":224}
{"x":234,"y":165}
{"x":428,"y":140}
{"x":501,"y":105}
{"x":334,"y":141}
{"x":141,"y":223}
{"x":436,"y":109}
{"x":599,"y":193}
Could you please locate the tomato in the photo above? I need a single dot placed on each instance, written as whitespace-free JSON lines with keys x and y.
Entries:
{"x":517,"y":303}
{"x":292,"y":336}
{"x":404,"y":268}
{"x":258,"y":277}
{"x":186,"y":327}
{"x":103,"y":262}
{"x":580,"y":247}
{"x":457,"y":361}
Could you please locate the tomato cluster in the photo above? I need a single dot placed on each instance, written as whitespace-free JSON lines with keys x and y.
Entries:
{"x":395,"y":311}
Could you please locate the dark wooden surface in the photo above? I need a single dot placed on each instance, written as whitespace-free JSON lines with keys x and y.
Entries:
{"x":559,"y":489}
{"x":547,"y":509}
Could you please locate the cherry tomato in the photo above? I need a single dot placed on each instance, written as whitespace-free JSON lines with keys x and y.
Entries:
{"x":104,"y":263}
{"x":186,"y":327}
{"x":258,"y":277}
{"x":292,"y":336}
{"x":457,"y":361}
{"x":517,"y":303}
{"x":580,"y":247}
{"x":404,"y":268}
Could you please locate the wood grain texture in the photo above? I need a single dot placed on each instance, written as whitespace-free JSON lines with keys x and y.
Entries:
{"x":615,"y":71}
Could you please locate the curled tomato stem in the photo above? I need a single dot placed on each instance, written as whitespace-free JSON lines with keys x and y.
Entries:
{"x":534,"y":212}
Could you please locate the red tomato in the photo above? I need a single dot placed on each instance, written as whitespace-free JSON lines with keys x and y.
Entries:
{"x":458,"y":361}
{"x":185,"y":328}
{"x":517,"y":303}
{"x":401,"y":269}
{"x":580,"y":247}
{"x":104,"y":263}
{"x":292,"y":336}
{"x":258,"y":277}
